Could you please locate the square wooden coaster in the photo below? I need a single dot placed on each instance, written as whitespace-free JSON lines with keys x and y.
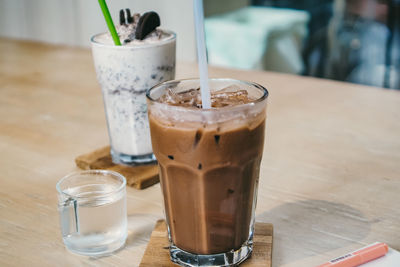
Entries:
{"x":157,"y":253}
{"x":139,"y":177}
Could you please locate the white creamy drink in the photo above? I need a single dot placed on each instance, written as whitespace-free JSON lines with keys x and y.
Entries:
{"x":125,"y":73}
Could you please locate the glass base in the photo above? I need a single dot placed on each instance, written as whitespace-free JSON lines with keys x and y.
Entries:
{"x":231,"y":258}
{"x":121,"y":158}
{"x":95,"y":250}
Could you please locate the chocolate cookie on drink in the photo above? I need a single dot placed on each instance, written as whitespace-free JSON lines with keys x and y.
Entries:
{"x":148,"y":22}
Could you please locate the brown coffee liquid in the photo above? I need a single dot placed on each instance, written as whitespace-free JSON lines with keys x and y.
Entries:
{"x":209,"y":178}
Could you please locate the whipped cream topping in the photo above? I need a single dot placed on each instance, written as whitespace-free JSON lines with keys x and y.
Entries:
{"x":126,"y":33}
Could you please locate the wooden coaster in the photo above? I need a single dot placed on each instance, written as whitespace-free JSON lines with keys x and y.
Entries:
{"x":157,"y":253}
{"x":139,"y":177}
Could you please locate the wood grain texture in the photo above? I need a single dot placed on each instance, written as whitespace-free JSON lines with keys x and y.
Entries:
{"x":329,"y":178}
{"x":157,"y":253}
{"x":139,"y":177}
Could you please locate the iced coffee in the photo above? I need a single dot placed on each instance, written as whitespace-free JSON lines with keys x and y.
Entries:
{"x":209,"y":163}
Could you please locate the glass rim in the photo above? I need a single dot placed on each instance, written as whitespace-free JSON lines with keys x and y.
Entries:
{"x":170,"y":39}
{"x":226,"y":108}
{"x":102,"y":172}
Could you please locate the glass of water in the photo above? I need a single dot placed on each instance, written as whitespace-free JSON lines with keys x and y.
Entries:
{"x":92,"y":207}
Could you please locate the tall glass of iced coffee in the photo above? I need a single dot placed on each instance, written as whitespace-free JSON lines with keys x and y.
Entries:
{"x":209,"y":164}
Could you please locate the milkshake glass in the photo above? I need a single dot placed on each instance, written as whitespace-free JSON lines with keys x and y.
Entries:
{"x":209,"y":163}
{"x":124,"y":74}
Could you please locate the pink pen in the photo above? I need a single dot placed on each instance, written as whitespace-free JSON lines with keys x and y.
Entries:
{"x":359,"y":257}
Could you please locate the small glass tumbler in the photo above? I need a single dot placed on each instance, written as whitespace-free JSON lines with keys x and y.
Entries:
{"x":92,"y":207}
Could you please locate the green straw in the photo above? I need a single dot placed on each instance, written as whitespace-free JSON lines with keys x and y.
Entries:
{"x":109,"y":21}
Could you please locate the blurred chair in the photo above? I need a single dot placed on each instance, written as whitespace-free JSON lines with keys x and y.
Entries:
{"x":320,"y":13}
{"x":257,"y":38}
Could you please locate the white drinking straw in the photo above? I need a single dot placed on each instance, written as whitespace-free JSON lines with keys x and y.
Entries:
{"x":201,"y":53}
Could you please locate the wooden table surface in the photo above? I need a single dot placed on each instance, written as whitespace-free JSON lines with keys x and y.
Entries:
{"x":330,"y":175}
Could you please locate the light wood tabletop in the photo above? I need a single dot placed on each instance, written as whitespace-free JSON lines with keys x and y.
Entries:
{"x":330,"y":174}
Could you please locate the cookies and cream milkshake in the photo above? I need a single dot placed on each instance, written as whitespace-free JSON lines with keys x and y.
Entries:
{"x":209,"y":167}
{"x":125,"y":73}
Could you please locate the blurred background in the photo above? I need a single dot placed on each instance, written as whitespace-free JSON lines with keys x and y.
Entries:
{"x":348,"y":40}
